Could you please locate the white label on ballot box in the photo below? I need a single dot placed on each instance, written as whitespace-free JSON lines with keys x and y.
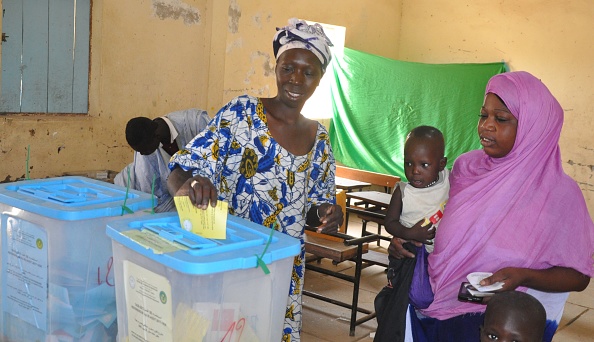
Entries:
{"x":148,"y":303}
{"x":25,"y":271}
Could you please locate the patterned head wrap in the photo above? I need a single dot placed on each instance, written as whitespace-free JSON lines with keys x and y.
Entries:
{"x":299,"y":35}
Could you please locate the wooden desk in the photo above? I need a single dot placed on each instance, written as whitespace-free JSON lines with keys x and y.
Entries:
{"x":349,"y":185}
{"x":376,"y":198}
{"x":340,"y":247}
{"x":375,"y":205}
{"x":330,"y":247}
{"x":375,"y":178}
{"x":379,"y":200}
{"x":350,"y":179}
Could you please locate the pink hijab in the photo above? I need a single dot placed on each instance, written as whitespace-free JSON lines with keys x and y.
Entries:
{"x":520,"y":210}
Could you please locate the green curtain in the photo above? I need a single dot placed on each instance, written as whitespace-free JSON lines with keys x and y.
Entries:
{"x":377,"y":101}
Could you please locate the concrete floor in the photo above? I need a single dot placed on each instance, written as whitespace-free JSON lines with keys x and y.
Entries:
{"x":328,"y":322}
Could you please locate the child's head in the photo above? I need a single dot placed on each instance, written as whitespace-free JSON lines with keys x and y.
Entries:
{"x":514,"y":316}
{"x":424,"y":156}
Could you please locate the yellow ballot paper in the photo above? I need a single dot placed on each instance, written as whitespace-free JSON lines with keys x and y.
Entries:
{"x":210,"y":223}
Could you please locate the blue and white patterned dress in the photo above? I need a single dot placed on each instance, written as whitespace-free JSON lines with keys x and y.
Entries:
{"x":262,"y":181}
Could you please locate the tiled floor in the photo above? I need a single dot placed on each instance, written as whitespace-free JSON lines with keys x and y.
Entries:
{"x":328,"y":322}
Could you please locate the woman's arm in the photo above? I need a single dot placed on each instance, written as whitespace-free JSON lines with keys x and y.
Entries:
{"x":554,"y":279}
{"x":176,"y":180}
{"x":323,"y":212}
{"x":199,"y":157}
{"x":200,"y":189}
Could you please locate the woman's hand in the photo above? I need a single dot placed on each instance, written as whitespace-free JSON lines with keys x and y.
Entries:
{"x":330,"y":217}
{"x":398,"y":251}
{"x":511,"y":277}
{"x":200,"y":190}
{"x":554,"y":279}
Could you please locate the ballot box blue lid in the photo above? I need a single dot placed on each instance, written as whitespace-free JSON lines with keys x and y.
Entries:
{"x":245,"y":243}
{"x":72,"y":198}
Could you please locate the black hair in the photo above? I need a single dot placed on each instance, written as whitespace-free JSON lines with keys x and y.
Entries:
{"x":522,"y":304}
{"x":429,"y":133}
{"x":140,"y":131}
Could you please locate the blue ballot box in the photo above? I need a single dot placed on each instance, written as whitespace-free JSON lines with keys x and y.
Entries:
{"x":171,"y":283}
{"x":57,"y":266}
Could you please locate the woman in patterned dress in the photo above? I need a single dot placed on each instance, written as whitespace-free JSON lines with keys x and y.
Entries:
{"x":271,"y":164}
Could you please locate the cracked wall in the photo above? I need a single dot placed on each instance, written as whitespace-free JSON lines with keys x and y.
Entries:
{"x":176,"y":10}
{"x":147,"y":59}
{"x":152,"y":57}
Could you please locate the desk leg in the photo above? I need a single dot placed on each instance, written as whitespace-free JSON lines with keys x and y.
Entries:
{"x":346,"y":215}
{"x":357,"y":280}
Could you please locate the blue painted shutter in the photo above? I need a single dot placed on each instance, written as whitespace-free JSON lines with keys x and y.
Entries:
{"x":45,"y":60}
{"x":10,"y":92}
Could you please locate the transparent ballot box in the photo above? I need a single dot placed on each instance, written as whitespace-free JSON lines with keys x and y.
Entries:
{"x":172,"y":284}
{"x":57,"y":267}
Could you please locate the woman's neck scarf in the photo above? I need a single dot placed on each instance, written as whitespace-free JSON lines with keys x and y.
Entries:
{"x":298,"y":34}
{"x":520,"y":210}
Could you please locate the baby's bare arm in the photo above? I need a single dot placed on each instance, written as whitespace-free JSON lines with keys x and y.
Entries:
{"x":392,"y":220}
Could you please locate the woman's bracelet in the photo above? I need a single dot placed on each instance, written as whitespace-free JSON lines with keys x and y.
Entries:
{"x":318,"y":213}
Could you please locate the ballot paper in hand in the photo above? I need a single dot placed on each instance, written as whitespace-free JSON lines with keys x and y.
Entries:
{"x":475,"y":278}
{"x":210,"y":223}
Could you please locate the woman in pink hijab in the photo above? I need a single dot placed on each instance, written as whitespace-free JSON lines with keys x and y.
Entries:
{"x":512,"y":211}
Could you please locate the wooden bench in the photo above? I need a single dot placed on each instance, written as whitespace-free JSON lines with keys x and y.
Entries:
{"x":338,"y":248}
{"x":341,"y":247}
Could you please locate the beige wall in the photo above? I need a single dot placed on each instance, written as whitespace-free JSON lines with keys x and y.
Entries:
{"x":150,"y":57}
{"x":372,"y":26}
{"x":147,"y":59}
{"x":551,"y":39}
